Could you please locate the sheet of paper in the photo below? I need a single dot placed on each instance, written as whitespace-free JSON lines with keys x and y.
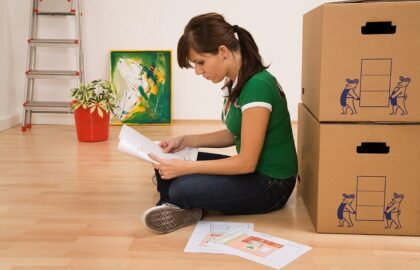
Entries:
{"x":261,"y":248}
{"x":135,"y":144}
{"x":205,"y":231}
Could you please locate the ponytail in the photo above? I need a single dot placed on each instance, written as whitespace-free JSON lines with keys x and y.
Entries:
{"x":252,"y":61}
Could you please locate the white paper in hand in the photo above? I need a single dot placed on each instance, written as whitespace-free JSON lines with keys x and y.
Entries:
{"x":135,"y":144}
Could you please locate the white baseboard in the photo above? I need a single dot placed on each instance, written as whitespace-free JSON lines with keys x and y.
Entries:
{"x":9,"y":122}
{"x":42,"y":119}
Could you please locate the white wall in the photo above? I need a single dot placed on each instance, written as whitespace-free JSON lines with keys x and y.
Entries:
{"x":157,"y":24}
{"x":9,"y":115}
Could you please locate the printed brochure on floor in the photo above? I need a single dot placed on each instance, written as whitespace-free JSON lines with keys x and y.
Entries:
{"x":258,"y":247}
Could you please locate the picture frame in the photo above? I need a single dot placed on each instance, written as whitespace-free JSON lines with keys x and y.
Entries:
{"x":143,"y":80}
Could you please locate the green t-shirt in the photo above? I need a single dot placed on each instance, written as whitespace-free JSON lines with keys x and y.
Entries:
{"x":278,"y":156}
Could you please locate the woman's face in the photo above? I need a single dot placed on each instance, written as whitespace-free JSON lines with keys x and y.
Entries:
{"x":213,"y":67}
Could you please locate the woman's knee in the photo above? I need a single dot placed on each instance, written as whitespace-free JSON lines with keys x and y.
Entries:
{"x":181,"y":192}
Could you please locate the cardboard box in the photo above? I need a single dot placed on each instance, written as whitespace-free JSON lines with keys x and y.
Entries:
{"x":361,"y":61}
{"x":360,"y":178}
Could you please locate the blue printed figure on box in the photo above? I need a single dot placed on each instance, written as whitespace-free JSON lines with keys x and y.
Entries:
{"x":345,"y":210}
{"x":348,"y":96}
{"x":399,"y":96}
{"x":392,"y":211}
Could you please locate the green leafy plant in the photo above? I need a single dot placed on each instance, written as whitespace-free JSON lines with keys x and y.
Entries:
{"x":99,"y":95}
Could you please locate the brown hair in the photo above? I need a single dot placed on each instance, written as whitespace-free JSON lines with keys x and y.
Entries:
{"x":207,"y":32}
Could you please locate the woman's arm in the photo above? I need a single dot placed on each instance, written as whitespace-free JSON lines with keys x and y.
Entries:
{"x":218,"y":139}
{"x":222,"y":138}
{"x":253,"y":131}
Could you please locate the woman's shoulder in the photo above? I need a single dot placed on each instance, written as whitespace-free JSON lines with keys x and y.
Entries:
{"x":261,"y":86}
{"x":263,"y":74}
{"x":261,"y":79}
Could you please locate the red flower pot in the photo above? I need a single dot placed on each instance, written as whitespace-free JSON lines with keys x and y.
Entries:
{"x":90,"y":126}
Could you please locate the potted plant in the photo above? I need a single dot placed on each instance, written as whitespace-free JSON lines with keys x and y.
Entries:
{"x":92,"y":103}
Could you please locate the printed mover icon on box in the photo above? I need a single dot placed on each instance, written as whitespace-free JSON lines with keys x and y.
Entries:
{"x":358,"y":177}
{"x":361,"y":61}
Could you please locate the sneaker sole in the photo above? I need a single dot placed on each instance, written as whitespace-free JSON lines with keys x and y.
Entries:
{"x":167,"y":220}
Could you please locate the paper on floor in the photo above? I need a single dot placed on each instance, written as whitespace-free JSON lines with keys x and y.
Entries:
{"x":205,"y":231}
{"x":261,"y":248}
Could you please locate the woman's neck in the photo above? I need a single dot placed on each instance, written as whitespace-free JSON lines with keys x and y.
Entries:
{"x":235,"y":66}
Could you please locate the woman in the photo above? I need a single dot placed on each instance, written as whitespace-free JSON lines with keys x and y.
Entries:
{"x":261,"y":177}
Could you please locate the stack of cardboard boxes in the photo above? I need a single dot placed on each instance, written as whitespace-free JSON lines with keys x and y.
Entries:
{"x":359,"y":124}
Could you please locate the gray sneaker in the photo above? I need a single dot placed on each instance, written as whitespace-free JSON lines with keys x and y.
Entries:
{"x":167,"y":218}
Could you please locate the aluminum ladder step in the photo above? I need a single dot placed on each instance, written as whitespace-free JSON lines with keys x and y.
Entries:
{"x":53,"y":13}
{"x":53,"y":42}
{"x":48,"y":106}
{"x":52,"y":74}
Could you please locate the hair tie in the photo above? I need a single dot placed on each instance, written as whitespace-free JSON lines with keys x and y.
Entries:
{"x":235,"y":28}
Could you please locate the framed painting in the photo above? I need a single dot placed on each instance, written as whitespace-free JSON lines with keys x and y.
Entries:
{"x":143,"y":82}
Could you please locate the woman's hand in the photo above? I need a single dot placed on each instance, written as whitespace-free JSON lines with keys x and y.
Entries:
{"x":173,"y":145}
{"x":170,"y":168}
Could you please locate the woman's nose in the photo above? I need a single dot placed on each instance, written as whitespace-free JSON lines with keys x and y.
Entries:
{"x":198,"y":70}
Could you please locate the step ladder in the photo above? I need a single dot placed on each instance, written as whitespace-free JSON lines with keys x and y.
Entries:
{"x":50,"y":8}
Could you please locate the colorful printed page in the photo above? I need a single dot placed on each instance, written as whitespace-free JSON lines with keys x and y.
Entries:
{"x":135,"y":144}
{"x":261,"y":248}
{"x":206,"y":231}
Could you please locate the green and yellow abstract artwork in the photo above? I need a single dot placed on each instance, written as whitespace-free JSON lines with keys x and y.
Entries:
{"x":143,"y":83}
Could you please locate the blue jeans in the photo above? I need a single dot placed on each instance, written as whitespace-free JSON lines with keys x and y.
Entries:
{"x":251,"y":193}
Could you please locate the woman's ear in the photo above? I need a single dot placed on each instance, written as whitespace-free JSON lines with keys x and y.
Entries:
{"x":223,"y":51}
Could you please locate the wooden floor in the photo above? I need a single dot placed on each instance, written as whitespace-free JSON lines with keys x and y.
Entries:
{"x":71,"y":205}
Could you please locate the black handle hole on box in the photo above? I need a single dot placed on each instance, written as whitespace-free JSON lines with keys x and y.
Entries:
{"x":379,"y":28}
{"x":373,"y":148}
